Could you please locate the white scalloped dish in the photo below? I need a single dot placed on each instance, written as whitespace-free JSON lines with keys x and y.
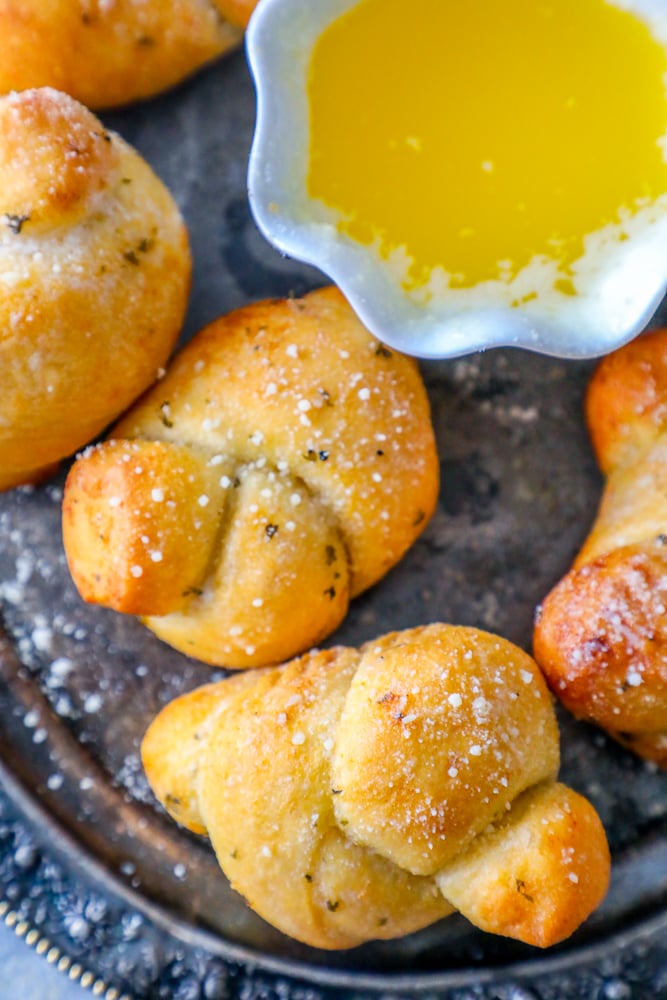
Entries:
{"x":540,"y":275}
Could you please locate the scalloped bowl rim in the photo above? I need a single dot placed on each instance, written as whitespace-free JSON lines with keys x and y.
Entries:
{"x":278,"y":43}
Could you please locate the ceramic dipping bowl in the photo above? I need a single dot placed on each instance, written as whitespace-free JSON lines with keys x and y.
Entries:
{"x":613,"y":290}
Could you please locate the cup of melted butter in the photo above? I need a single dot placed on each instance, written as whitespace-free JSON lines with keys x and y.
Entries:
{"x":470,"y":174}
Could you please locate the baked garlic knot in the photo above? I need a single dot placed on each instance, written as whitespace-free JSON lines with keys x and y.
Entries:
{"x":284,"y":464}
{"x":601,"y":634}
{"x":110,"y":53}
{"x":94,"y":279}
{"x":359,"y":794}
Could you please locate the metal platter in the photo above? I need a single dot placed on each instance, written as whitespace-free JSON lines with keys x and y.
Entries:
{"x":94,"y":874}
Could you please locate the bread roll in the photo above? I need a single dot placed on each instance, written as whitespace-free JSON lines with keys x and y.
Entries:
{"x":601,"y":635}
{"x":359,"y":794}
{"x":283,"y":465}
{"x":94,"y":279}
{"x":237,"y":11}
{"x":110,"y":53}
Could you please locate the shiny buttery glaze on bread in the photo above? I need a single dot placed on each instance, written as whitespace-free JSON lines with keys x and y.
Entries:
{"x":284,"y":464}
{"x":601,"y":634}
{"x":110,"y":53}
{"x":94,"y":279}
{"x":358,"y":794}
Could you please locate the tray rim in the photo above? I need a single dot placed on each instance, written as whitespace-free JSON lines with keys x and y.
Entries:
{"x":63,"y":843}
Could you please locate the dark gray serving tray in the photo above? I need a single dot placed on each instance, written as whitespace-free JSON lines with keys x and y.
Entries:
{"x":92,"y":871}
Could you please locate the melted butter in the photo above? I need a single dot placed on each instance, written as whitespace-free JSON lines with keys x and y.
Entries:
{"x":476,"y":138}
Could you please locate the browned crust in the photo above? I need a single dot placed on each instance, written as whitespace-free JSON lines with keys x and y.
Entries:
{"x":54,"y":156}
{"x":526,"y":872}
{"x":236,"y":11}
{"x":601,"y":634}
{"x":106,"y":55}
{"x":95,"y":270}
{"x":601,"y":639}
{"x":626,"y":402}
{"x":112,"y":483}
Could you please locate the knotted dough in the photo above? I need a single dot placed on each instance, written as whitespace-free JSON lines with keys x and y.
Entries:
{"x":358,"y":794}
{"x":283,"y":465}
{"x":601,"y":634}
{"x":110,"y":52}
{"x":94,"y":279}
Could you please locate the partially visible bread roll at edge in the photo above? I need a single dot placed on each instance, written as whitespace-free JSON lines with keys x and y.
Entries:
{"x":110,"y":54}
{"x":94,"y":279}
{"x":601,"y":634}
